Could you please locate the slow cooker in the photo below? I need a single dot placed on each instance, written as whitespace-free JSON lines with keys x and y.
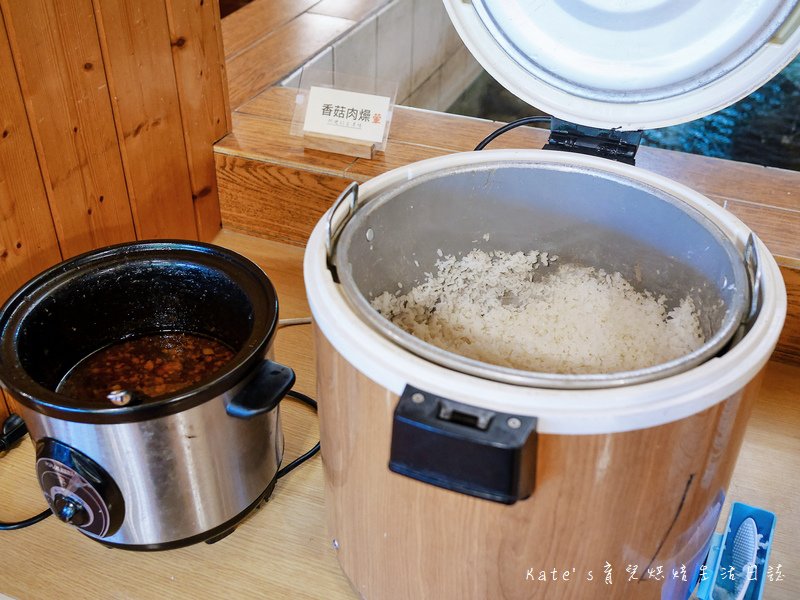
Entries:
{"x":447,"y":477}
{"x":149,"y":473}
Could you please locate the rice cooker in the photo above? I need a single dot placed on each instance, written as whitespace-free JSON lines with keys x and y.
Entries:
{"x":448,"y":477}
{"x":149,"y":473}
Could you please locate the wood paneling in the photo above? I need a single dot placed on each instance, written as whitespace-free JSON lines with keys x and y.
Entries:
{"x":745,"y":182}
{"x":778,"y":228}
{"x":253,"y":198}
{"x":274,"y":103}
{"x":28,"y":242}
{"x":203,"y":96}
{"x":278,"y":54}
{"x":63,"y":77}
{"x":125,"y":100}
{"x":398,"y":154}
{"x":137,"y":48}
{"x":771,"y":450}
{"x":107,"y":121}
{"x":258,"y":19}
{"x":647,"y":497}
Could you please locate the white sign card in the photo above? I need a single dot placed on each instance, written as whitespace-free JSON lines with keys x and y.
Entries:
{"x":346,"y":114}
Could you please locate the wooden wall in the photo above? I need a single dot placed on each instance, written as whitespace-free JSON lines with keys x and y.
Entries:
{"x":108,"y":114}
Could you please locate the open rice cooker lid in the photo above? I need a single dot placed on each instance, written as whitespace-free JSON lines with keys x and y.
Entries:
{"x":629,"y":64}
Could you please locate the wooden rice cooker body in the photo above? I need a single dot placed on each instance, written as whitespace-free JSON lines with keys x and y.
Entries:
{"x":648,"y":498}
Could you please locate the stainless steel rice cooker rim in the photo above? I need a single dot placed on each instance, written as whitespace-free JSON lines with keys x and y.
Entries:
{"x":360,"y":209}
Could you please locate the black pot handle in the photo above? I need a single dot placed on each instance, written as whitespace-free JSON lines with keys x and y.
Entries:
{"x":263,"y":392}
{"x":463,"y":448}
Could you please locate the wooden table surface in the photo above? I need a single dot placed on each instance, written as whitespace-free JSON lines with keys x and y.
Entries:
{"x":283,"y":550}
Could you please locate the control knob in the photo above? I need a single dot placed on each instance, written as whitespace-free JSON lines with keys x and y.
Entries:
{"x":70,"y":511}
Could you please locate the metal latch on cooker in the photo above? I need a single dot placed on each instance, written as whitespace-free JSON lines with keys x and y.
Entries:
{"x":463,"y":448}
{"x":605,"y":143}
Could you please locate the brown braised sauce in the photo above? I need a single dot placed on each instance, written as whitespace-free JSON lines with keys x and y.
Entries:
{"x":147,"y":366}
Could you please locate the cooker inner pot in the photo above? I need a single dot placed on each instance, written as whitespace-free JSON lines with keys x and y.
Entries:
{"x":657,"y":241}
{"x":88,"y":307}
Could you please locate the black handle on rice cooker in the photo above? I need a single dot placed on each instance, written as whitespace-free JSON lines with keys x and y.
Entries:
{"x":263,"y":392}
{"x":333,"y":231}
{"x":463,"y":448}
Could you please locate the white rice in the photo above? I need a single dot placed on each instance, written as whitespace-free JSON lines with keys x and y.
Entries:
{"x":566,"y":319}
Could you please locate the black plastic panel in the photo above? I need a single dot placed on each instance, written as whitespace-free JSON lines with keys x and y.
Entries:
{"x":463,"y":448}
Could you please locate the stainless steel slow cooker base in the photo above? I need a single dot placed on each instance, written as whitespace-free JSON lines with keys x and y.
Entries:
{"x":209,"y":537}
{"x":161,"y":471}
{"x":183,"y":478}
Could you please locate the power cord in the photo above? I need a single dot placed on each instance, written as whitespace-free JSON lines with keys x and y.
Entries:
{"x":27,"y":522}
{"x":290,"y":322}
{"x":508,"y":127}
{"x":13,"y":431}
{"x":301,"y":398}
{"x":300,"y":459}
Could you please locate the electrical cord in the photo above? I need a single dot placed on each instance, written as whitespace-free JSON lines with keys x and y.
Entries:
{"x":509,"y":126}
{"x":300,"y":397}
{"x":290,"y":322}
{"x":300,"y":459}
{"x":13,"y":431}
{"x":27,"y":522}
